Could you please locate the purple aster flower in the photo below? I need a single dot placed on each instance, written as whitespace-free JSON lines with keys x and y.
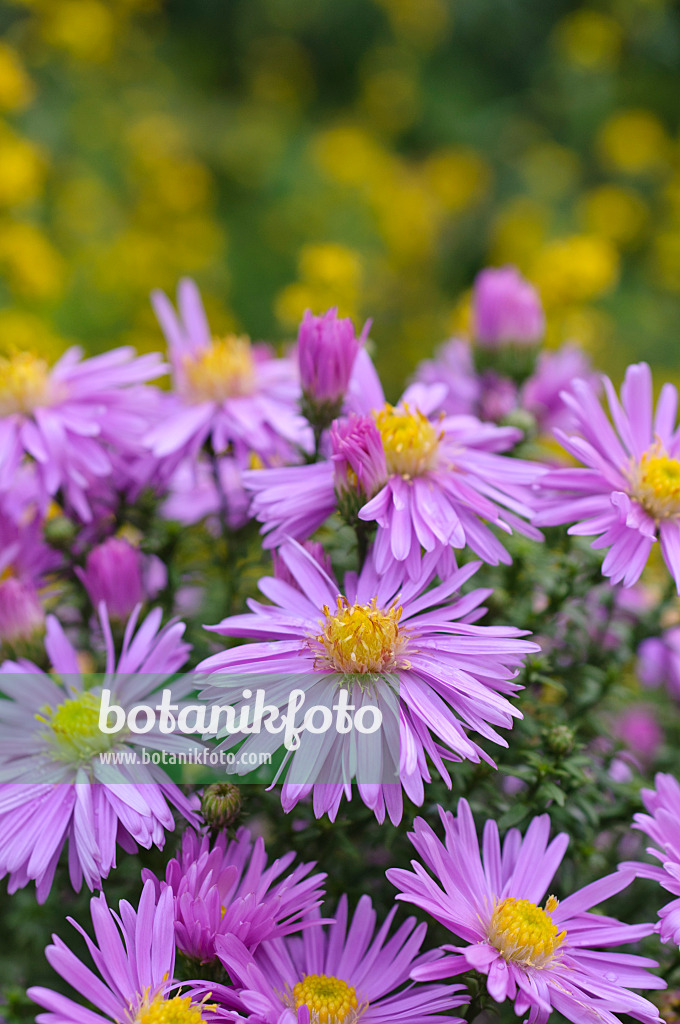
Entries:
{"x":379,"y":635}
{"x":226,"y":888}
{"x":628,"y":492}
{"x":193,"y":494}
{"x":454,"y":367}
{"x":234,"y":395}
{"x":55,"y":786}
{"x":25,"y":561}
{"x":543,"y":393}
{"x":538,"y":956}
{"x":121,"y":576}
{"x":340,"y":974}
{"x":327,"y":349}
{"x":506,"y":309}
{"x":134,"y":954}
{"x":445,"y":479}
{"x":662,"y":825}
{"x":68,"y":421}
{"x":659,"y":661}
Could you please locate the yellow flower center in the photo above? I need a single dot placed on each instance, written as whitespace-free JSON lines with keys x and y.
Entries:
{"x":178,"y":1010}
{"x":76,"y":735}
{"x":524,"y":933}
{"x":409,"y":439}
{"x":223,"y":370}
{"x":656,"y":483}
{"x":24,"y":383}
{"x":361,"y":638}
{"x":329,"y":1000}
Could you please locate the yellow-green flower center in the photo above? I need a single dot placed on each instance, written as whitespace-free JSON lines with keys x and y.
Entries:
{"x":524,"y":933}
{"x":76,"y":735}
{"x":24,"y":383}
{"x":224,"y":369}
{"x":409,"y":439}
{"x":655,"y":481}
{"x":329,"y":1000}
{"x":361,"y":638}
{"x":178,"y":1010}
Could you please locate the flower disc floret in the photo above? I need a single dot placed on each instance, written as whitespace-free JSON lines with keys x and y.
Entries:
{"x":24,"y":383}
{"x":329,"y":1000}
{"x":524,"y":933}
{"x":178,"y":1010}
{"x":655,"y":480}
{"x":224,"y":369}
{"x":361,"y":638}
{"x":75,"y":728}
{"x":409,"y":439}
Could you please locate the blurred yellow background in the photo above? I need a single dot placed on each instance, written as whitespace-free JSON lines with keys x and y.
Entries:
{"x":370,"y":154}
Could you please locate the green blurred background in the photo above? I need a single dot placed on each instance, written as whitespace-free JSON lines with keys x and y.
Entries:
{"x":372,"y":154}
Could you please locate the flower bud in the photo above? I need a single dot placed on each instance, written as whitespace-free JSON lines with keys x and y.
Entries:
{"x":21,"y":615}
{"x":506,"y":309}
{"x":359,"y":467}
{"x":327,"y":348}
{"x":113,"y":574}
{"x":221,"y":805}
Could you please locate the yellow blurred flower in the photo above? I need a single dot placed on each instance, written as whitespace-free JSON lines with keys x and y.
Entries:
{"x":519,"y":230}
{"x":85,"y":29}
{"x":390,"y":99}
{"x":616,"y":212}
{"x":634,"y":142}
{"x":407,"y":218}
{"x":280,"y":71}
{"x":589,"y":39}
{"x":330,"y":275}
{"x":349,"y":155}
{"x":16,"y":88}
{"x":458,"y":177}
{"x":575,"y":269}
{"x":549,"y":170}
{"x":22,"y":168}
{"x":25,"y":332}
{"x":421,"y":22}
{"x":666,"y":259}
{"x":33,"y":266}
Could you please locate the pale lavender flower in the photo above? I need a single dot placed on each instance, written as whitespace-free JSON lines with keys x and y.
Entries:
{"x":133,"y":952}
{"x":627,"y":493}
{"x":543,"y":392}
{"x":193,"y":494}
{"x":506,"y":309}
{"x":225,"y":887}
{"x":659,"y":661}
{"x":68,"y":423}
{"x":25,"y":562}
{"x":235,"y":396}
{"x":382,"y":636}
{"x":54,"y":784}
{"x":539,"y":957}
{"x":358,"y":972}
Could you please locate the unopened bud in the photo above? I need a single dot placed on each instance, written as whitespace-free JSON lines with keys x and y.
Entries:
{"x":221,"y":805}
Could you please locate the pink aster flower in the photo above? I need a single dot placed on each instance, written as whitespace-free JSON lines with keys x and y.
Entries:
{"x":193,"y":495}
{"x":416,"y":655}
{"x":226,"y":888}
{"x":543,"y":393}
{"x":538,"y":956}
{"x":353,"y":972}
{"x":444,"y":480}
{"x":659,"y":661}
{"x":133,"y":952}
{"x":627,"y":493}
{"x":68,"y":421}
{"x":55,"y":786}
{"x":25,"y":561}
{"x":506,"y":309}
{"x":234,"y":395}
{"x":662,"y":825}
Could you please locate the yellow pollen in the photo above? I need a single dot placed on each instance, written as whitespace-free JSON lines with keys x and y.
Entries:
{"x":178,"y":1010}
{"x":655,"y":481}
{"x":361,"y":638}
{"x":409,"y":439}
{"x":24,"y":383}
{"x":329,"y":1000}
{"x":524,"y":933}
{"x":223,"y":370}
{"x":76,"y":735}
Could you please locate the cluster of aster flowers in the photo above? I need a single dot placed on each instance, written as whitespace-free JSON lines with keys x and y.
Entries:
{"x":397,"y":549}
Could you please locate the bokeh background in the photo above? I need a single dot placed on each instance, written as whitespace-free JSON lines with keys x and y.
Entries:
{"x":372,"y":154}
